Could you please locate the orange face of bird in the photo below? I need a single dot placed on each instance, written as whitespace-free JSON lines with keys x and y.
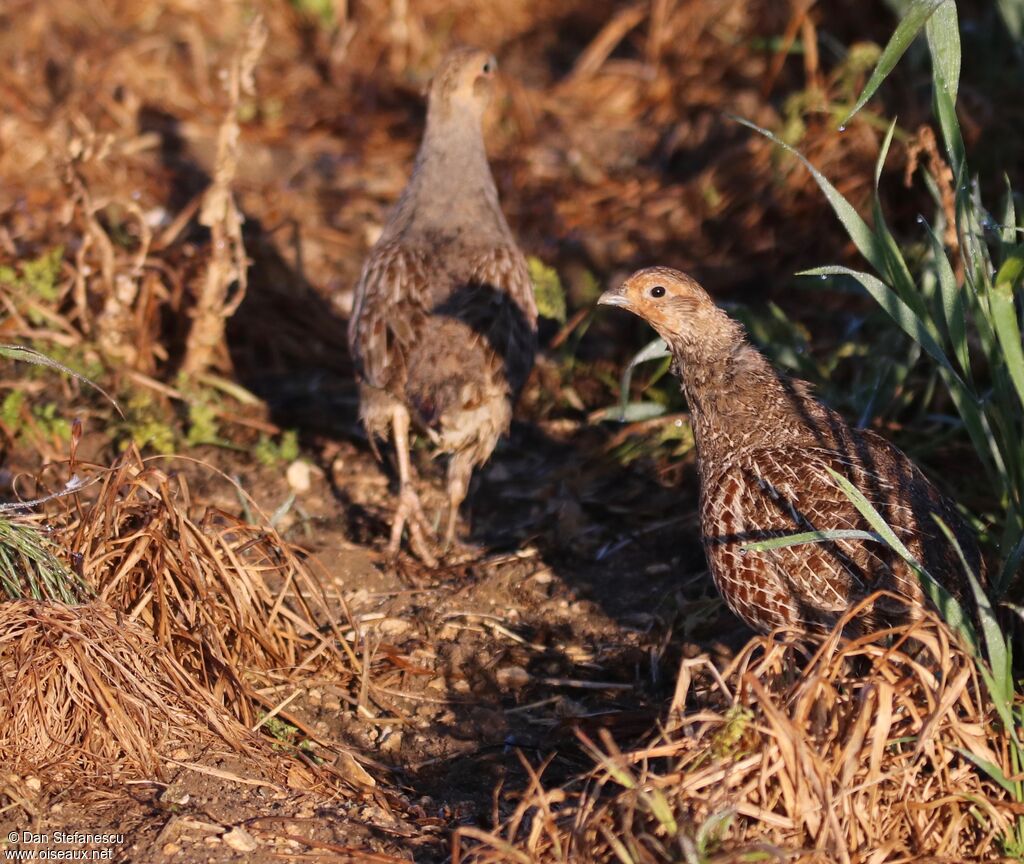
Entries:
{"x":464,"y":80}
{"x":670,"y":301}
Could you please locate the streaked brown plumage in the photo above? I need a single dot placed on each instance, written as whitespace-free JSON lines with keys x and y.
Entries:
{"x":443,"y":331}
{"x":763,"y":446}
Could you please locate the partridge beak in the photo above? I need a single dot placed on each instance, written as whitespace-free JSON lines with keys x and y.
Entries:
{"x":614,"y":297}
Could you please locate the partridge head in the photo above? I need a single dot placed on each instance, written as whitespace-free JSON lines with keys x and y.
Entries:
{"x":462,"y":85}
{"x":677,"y":307}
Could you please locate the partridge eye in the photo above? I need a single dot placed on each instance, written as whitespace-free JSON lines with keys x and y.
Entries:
{"x":488,"y":68}
{"x":657,"y":291}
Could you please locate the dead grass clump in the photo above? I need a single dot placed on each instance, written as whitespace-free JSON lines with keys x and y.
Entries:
{"x":865,"y":752}
{"x":85,"y":690}
{"x":230,"y":601}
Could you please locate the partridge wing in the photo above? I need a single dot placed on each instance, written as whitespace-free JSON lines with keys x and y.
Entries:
{"x":391,"y":304}
{"x":496,"y":302}
{"x":777,"y":492}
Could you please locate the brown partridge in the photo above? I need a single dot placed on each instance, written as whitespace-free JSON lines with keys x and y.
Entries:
{"x":443,"y":329}
{"x":764,"y":447}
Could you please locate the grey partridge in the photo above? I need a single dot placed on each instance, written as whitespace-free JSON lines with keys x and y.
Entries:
{"x":443,"y":328}
{"x":764,"y":444}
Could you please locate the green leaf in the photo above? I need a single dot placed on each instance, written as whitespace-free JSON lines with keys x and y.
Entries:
{"x":862,"y":236}
{"x":806,"y":537}
{"x":907,"y":30}
{"x":547,"y":289}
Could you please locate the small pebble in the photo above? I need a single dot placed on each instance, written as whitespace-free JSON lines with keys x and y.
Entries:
{"x":298,"y":476}
{"x":240,"y":840}
{"x":393,"y":626}
{"x":513,"y":677}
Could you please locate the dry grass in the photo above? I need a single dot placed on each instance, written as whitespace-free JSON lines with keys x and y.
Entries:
{"x":859,"y":753}
{"x":196,"y":616}
{"x":88,"y":694}
{"x":232,"y":602}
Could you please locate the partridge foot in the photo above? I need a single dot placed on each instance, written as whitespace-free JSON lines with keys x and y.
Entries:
{"x":410,"y":515}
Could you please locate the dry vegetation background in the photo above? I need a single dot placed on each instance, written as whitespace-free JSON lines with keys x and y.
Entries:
{"x":187,"y":191}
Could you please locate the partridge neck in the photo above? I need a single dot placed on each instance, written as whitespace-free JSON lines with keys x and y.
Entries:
{"x":451,"y":192}
{"x":736,"y":399}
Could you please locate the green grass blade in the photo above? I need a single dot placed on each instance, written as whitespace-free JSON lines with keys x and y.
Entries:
{"x":952,"y":303}
{"x":896,"y":265}
{"x":662,"y":811}
{"x":630,"y":412}
{"x":976,"y":257}
{"x":990,"y":768}
{"x":37,"y":358}
{"x":1004,"y":317}
{"x":654,"y":350}
{"x":947,"y":605}
{"x":1008,"y":232}
{"x":945,"y":111}
{"x":29,"y":567}
{"x":862,"y":236}
{"x":967,"y":234}
{"x":806,"y":537}
{"x":907,"y":30}
{"x":943,"y":32}
{"x":616,"y":845}
{"x":1001,"y":683}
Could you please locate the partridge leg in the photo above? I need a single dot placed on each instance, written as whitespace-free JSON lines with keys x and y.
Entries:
{"x":410,"y":511}
{"x":460,"y":470}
